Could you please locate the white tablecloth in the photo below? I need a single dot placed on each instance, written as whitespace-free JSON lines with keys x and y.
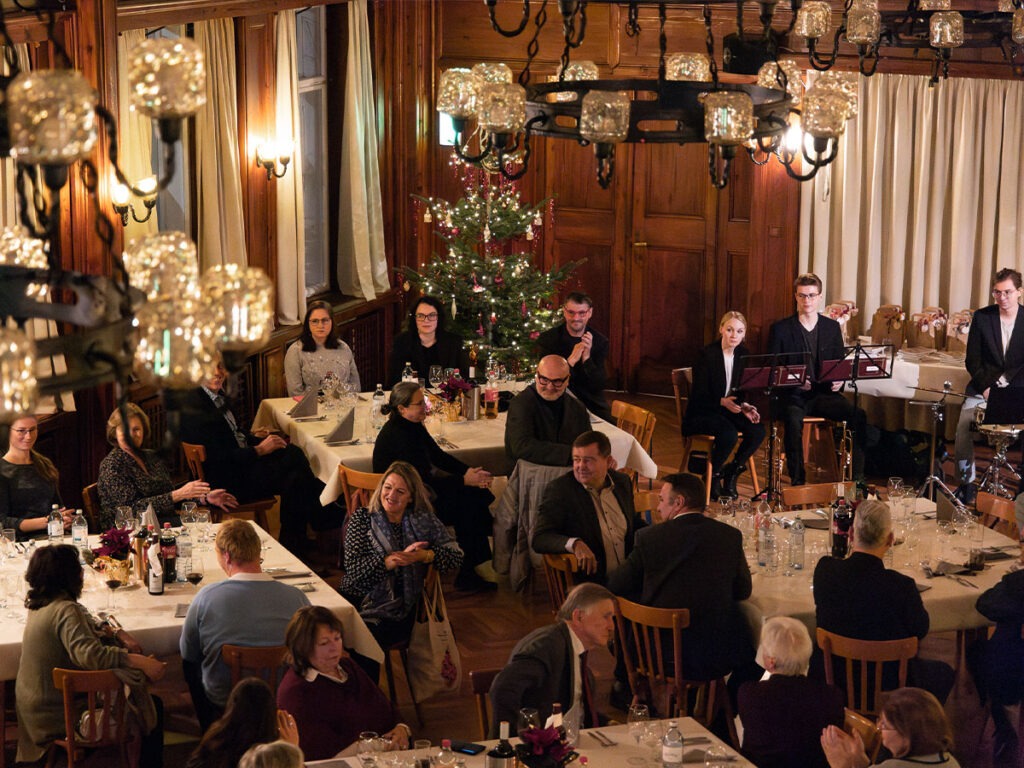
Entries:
{"x":625,"y":751}
{"x":480,"y":443}
{"x":150,"y":618}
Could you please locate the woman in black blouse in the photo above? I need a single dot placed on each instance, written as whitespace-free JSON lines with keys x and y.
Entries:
{"x":460,"y":492}
{"x":28,"y":483}
{"x":716,"y":406}
{"x":135,"y":477}
{"x":425,"y":343}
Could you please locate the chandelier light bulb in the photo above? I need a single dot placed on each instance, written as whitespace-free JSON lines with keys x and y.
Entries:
{"x":458,"y":92}
{"x":1017,"y":32}
{"x":163,"y":265}
{"x":863,"y":24}
{"x":844,"y":83}
{"x":502,"y":107}
{"x":946,"y":29}
{"x":768,"y":77}
{"x":824,"y":114}
{"x":578,"y":70}
{"x":18,"y":387}
{"x":167,"y":77}
{"x":52,"y":117}
{"x":173,"y":350}
{"x":933,"y":5}
{"x":728,"y":117}
{"x":813,"y":20}
{"x":240,"y":306}
{"x":493,"y":73}
{"x":604,"y":118}
{"x":19,"y":249}
{"x":695,"y":67}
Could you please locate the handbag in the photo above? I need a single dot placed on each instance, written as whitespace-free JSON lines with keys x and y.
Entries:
{"x":434,"y":663}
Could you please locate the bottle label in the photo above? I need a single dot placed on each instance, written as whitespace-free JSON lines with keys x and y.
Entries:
{"x":672,"y":755}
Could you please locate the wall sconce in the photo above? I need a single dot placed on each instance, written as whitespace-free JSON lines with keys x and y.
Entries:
{"x":120,"y":198}
{"x":270,"y":153}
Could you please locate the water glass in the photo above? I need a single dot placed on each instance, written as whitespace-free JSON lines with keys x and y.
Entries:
{"x":9,"y":537}
{"x":366,"y":751}
{"x":654,"y":730}
{"x":717,"y":756}
{"x":637,"y":716}
{"x":421,"y":751}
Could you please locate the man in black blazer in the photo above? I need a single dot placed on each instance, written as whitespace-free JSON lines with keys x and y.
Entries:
{"x":809,"y":333}
{"x":995,"y":358}
{"x":550,"y":664}
{"x":860,"y":598}
{"x":544,"y":419}
{"x":251,"y":466}
{"x":584,"y":348}
{"x":588,"y":512}
{"x":692,"y":561}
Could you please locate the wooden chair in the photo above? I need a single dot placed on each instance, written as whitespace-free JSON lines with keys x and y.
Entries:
{"x":654,"y":670}
{"x":195,"y":455}
{"x":8,"y":719}
{"x":356,"y":487}
{"x":100,"y":690}
{"x":560,"y":574}
{"x":480,"y":681}
{"x":639,"y":422}
{"x":811,"y":496}
{"x":645,"y":503}
{"x":863,"y":686}
{"x":265,"y":662}
{"x":854,"y":723}
{"x":998,"y":514}
{"x":699,"y":445}
{"x":91,"y":505}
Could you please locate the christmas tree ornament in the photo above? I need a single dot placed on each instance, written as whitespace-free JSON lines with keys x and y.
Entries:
{"x":487,"y":234}
{"x":427,"y":218}
{"x":529,"y":233}
{"x":453,"y":307}
{"x":405,"y":285}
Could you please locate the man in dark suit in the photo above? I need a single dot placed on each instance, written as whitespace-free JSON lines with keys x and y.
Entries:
{"x":550,"y":664}
{"x":543,"y":420}
{"x":803,"y":334}
{"x":584,"y":349}
{"x":995,"y":358}
{"x":588,"y":512}
{"x":252,"y":466}
{"x":692,"y":561}
{"x":860,"y":598}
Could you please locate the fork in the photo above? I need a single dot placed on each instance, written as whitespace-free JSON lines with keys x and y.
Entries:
{"x":603,"y":740}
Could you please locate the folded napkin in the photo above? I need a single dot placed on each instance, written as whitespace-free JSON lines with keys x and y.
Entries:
{"x":306,"y":406}
{"x":343,"y":431}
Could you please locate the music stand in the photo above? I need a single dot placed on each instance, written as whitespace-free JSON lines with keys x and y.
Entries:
{"x":770,"y":373}
{"x":935,"y":482}
{"x":1004,"y":421}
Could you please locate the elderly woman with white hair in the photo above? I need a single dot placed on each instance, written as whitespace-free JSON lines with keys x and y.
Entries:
{"x":783,"y":715}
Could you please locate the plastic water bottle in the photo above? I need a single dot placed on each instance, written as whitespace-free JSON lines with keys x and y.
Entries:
{"x":446,"y":757}
{"x":55,"y":526}
{"x":796,"y":544}
{"x":763,"y":522}
{"x":79,"y":530}
{"x":377,"y":417}
{"x":672,"y":746}
{"x":408,"y":374}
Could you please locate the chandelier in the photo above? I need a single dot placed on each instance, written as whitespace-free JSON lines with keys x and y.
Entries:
{"x":154,"y":316}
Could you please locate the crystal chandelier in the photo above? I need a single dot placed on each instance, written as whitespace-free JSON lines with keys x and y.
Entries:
{"x":153,"y":316}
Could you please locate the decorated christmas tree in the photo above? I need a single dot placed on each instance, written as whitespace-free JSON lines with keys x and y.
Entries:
{"x":497,"y":300}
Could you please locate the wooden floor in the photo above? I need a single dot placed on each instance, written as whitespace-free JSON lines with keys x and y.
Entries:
{"x":488,"y":625}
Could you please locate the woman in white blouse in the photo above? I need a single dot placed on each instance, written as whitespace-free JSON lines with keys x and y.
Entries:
{"x":318,"y":352}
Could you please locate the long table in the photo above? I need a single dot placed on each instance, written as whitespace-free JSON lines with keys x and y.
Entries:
{"x":151,"y":618}
{"x":624,"y":752}
{"x":479,"y":443}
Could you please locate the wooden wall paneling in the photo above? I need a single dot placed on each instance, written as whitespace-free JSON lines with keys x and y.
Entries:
{"x":256,"y":72}
{"x":732,"y":245}
{"x":136,"y":14}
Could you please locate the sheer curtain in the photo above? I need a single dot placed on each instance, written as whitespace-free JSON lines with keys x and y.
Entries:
{"x":291,"y":239}
{"x":362,"y":268}
{"x":134,"y":135}
{"x":921,"y":206}
{"x":218,"y":177}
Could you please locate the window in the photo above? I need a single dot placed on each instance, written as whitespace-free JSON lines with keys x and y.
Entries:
{"x":173,"y":204}
{"x":311,"y":44}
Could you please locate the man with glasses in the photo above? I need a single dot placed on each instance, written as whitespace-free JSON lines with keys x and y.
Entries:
{"x":995,"y":358}
{"x":813,"y":334}
{"x":584,"y":349}
{"x":543,"y":420}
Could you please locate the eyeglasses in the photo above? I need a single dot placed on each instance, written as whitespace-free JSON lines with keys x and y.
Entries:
{"x":807,"y":296}
{"x":544,"y":381}
{"x":1001,"y":294}
{"x":431,"y":316}
{"x":320,"y":321}
{"x":882,"y":725}
{"x":26,"y":431}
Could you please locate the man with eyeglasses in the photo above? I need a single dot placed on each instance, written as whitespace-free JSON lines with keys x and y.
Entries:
{"x":809,"y":333}
{"x":543,"y":420}
{"x":584,"y":349}
{"x":995,"y":358}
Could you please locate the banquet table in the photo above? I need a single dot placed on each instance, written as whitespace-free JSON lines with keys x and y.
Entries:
{"x":479,"y":443}
{"x":151,"y":618}
{"x":625,"y":751}
{"x":950,"y":604}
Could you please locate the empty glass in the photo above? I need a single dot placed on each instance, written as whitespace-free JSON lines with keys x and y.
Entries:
{"x":203,"y":524}
{"x":637,"y":716}
{"x":366,"y":751}
{"x":528,"y":718}
{"x":9,"y":537}
{"x":123,"y":518}
{"x":436,"y":372}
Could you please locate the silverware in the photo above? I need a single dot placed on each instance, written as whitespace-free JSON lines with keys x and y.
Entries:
{"x":450,"y":444}
{"x":311,"y":418}
{"x":965,"y":582}
{"x":603,"y":740}
{"x":926,"y":567}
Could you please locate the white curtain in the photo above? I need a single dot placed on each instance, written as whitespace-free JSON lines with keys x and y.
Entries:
{"x":134,"y":136}
{"x":8,"y":174}
{"x":921,"y":206}
{"x":362,"y":268}
{"x":218,"y":177}
{"x":291,"y":239}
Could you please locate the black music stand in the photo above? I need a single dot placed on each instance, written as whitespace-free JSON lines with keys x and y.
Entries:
{"x":935,"y":483}
{"x":770,"y":373}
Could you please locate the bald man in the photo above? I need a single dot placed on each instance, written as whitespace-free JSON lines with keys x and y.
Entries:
{"x":544,"y":419}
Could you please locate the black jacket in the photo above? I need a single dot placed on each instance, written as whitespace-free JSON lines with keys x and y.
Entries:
{"x":588,"y":378}
{"x":786,"y":337}
{"x":532,"y":434}
{"x":404,"y":440}
{"x":406,"y":348}
{"x":709,"y":379}
{"x":985,"y":360}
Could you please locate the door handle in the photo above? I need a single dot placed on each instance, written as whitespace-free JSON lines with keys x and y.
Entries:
{"x":640,"y":244}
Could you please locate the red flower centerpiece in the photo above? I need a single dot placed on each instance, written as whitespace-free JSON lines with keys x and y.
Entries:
{"x":544,"y":748}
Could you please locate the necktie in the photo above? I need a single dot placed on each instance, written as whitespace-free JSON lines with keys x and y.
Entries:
{"x":222,"y":406}
{"x":589,"y":710}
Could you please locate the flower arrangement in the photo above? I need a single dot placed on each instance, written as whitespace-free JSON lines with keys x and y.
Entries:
{"x":452,"y":389}
{"x":115,"y":544}
{"x":544,"y":748}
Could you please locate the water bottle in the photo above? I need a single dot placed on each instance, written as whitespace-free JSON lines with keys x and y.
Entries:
{"x":377,"y":417}
{"x":55,"y":525}
{"x":763,"y":522}
{"x":408,"y":374}
{"x":672,"y":746}
{"x":184,"y":562}
{"x":796,"y":544}
{"x":446,"y":757}
{"x":79,"y":530}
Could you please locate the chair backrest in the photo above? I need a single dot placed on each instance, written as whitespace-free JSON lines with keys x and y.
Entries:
{"x":639,"y":422}
{"x":104,"y":696}
{"x":645,"y":503}
{"x":813,"y":495}
{"x":682,"y":378}
{"x":649,"y":668}
{"x":264,"y":662}
{"x":91,"y":505}
{"x":480,"y":681}
{"x":560,"y":574}
{"x":195,"y":455}
{"x":998,"y":514}
{"x":356,"y":487}
{"x":854,"y":722}
{"x":870,"y":656}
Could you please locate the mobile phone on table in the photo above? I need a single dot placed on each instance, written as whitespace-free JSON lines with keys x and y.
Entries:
{"x":467,"y":747}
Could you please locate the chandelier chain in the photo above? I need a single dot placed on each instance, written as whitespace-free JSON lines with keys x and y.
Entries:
{"x":533,"y":46}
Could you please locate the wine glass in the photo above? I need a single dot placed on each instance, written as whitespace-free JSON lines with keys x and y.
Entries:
{"x":636,"y":717}
{"x":123,"y":518}
{"x":203,"y":524}
{"x":195,"y":573}
{"x":114,"y":577}
{"x":528,"y":718}
{"x":328,"y":385}
{"x":895,"y":487}
{"x":436,"y":372}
